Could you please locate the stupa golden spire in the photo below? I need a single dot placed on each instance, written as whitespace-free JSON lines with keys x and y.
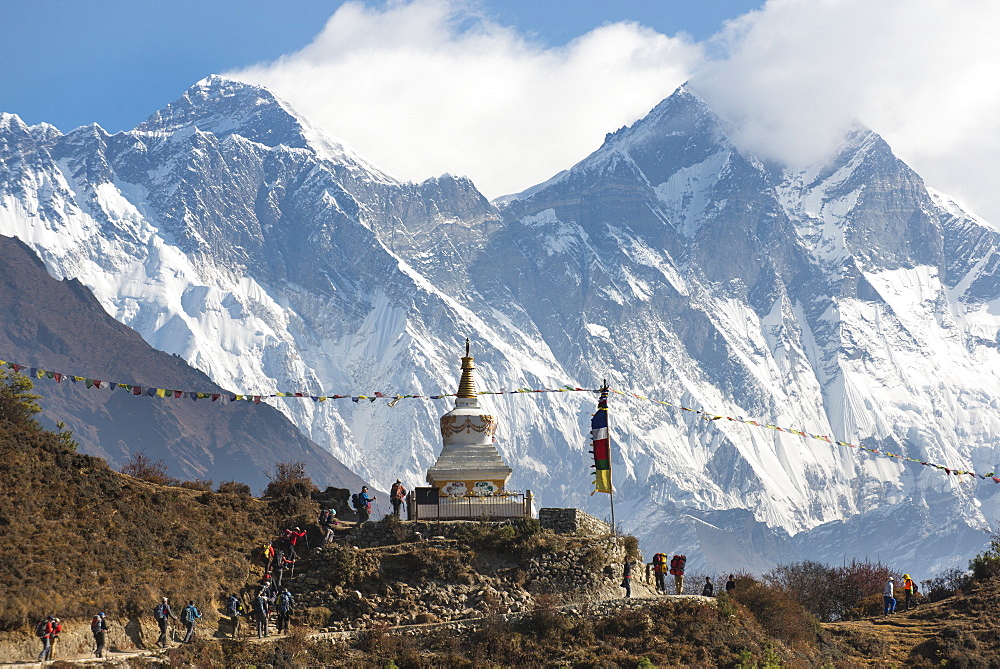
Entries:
{"x":467,"y":385}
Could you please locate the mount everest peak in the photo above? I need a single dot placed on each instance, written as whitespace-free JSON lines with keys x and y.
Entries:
{"x":845,"y":300}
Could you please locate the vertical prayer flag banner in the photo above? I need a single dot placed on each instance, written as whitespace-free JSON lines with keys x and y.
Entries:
{"x":602,"y":445}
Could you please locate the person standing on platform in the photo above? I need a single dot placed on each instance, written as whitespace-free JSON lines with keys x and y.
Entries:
{"x":709,"y":588}
{"x":731,"y":585}
{"x":396,"y":495}
{"x":363,"y":504}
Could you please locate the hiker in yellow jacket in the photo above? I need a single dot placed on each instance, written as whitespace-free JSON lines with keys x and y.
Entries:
{"x":909,"y":589}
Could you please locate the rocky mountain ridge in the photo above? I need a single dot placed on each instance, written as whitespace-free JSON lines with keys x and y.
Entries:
{"x":847,"y":300}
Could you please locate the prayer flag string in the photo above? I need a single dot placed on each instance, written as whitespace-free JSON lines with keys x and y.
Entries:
{"x":393,"y":399}
{"x":711,"y":416}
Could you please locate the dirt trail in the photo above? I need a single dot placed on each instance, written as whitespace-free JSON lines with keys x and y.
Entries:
{"x":886,"y":641}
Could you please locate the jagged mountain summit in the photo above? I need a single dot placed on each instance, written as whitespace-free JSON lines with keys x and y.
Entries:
{"x":848,"y":300}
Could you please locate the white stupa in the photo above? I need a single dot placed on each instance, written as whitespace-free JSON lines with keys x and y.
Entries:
{"x":469,"y":463}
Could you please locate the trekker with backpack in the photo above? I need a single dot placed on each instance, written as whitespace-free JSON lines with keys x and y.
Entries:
{"x":267,"y":554}
{"x":362,"y":504}
{"x":285,"y":604}
{"x":659,"y":568}
{"x":909,"y":590}
{"x":56,"y":630}
{"x":44,"y":630}
{"x":98,"y":626}
{"x":677,"y":569}
{"x":189,"y":616}
{"x":261,"y":606}
{"x":396,"y":495}
{"x":234,"y":608}
{"x":162,"y":614}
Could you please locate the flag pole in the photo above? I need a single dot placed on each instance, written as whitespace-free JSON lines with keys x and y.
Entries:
{"x":614,"y":531}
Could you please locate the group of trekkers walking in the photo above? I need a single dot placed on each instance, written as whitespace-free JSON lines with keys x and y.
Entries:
{"x":279,"y":557}
{"x":676,"y":567}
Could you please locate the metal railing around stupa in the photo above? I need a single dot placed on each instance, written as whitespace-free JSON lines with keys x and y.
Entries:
{"x":431,"y":504}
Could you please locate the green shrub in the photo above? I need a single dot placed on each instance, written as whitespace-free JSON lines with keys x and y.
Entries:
{"x":986,"y":565}
{"x":17,"y":403}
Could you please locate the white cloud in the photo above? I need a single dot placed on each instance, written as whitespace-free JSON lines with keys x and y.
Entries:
{"x":432,"y":86}
{"x":922,"y":73}
{"x":424,"y":87}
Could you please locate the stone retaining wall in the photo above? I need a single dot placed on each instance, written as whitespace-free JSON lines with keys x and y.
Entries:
{"x":572,"y":521}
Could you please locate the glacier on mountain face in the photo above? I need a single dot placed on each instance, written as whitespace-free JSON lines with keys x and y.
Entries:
{"x":846,"y":300}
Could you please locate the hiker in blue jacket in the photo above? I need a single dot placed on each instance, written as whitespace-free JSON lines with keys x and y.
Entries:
{"x":189,"y":616}
{"x":363,"y":504}
{"x":284,"y":604}
{"x":261,"y":606}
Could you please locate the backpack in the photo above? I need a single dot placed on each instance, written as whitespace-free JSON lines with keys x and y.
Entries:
{"x":233,"y":606}
{"x":356,"y":501}
{"x":186,"y":614}
{"x":95,"y":624}
{"x":677,"y":565}
{"x":160,"y":612}
{"x":40,"y":628}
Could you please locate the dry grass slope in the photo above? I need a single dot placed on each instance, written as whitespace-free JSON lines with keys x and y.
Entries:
{"x":80,"y":537}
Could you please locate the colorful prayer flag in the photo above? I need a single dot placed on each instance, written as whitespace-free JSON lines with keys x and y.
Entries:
{"x":602,"y":445}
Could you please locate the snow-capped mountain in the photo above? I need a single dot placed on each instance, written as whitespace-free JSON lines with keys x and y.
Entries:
{"x":847,"y":300}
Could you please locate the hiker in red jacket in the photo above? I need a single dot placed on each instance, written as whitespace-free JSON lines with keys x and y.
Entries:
{"x":44,"y":630}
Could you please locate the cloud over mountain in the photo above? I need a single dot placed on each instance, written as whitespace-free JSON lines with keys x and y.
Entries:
{"x":433,"y":86}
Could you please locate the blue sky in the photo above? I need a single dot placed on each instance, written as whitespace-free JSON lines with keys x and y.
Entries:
{"x":511,"y":92}
{"x":114,"y":62}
